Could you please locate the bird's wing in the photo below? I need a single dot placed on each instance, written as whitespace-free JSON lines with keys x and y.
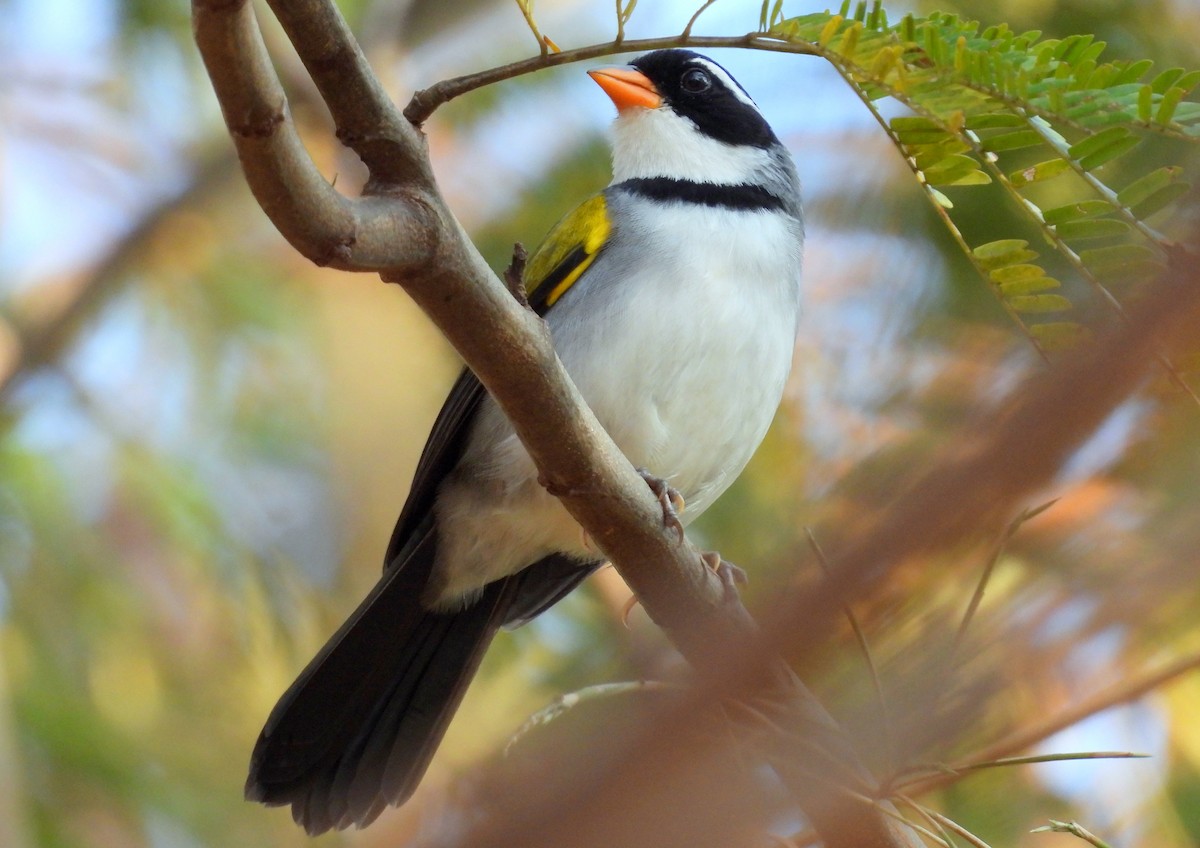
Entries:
{"x":442,"y":452}
{"x":561,"y":259}
{"x":566,"y":253}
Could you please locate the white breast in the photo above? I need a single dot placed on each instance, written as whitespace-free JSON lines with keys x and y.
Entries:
{"x":684,"y":363}
{"x":687,"y":366}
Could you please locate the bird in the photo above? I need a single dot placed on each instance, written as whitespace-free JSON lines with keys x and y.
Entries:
{"x":673,"y":300}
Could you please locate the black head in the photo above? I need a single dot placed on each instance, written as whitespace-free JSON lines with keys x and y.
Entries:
{"x":700,"y":90}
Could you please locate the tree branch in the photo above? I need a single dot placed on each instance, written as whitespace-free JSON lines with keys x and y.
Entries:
{"x":1015,"y":449}
{"x":368,"y":234}
{"x":367,"y":120}
{"x":1025,"y":440}
{"x":402,"y":228}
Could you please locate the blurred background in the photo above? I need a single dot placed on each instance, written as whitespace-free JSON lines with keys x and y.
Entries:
{"x":204,"y":440}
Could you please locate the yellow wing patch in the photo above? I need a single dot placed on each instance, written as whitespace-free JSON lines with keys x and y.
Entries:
{"x":567,"y":252}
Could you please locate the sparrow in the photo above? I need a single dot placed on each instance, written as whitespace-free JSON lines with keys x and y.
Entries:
{"x":673,"y":299}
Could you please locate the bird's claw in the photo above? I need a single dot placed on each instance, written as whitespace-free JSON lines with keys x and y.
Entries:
{"x":731,"y":576}
{"x":669,"y":498}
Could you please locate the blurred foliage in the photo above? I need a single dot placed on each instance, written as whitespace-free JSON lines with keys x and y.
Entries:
{"x":198,"y":474}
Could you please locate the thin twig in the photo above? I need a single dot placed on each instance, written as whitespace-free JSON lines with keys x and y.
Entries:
{"x":1026,"y":738}
{"x":865,"y":649}
{"x":895,"y":816}
{"x":425,"y":102}
{"x":924,"y":813}
{"x":1075,"y":829}
{"x":687,"y":30}
{"x":526,"y":7}
{"x":917,"y":774}
{"x":624,"y":12}
{"x":566,"y":702}
{"x":997,"y":551}
{"x":951,"y":824}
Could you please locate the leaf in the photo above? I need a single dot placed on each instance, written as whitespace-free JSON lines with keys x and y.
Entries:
{"x":1140,"y":189}
{"x":1164,"y":80}
{"x":1133,"y":72}
{"x":1160,"y":199}
{"x":928,"y":155}
{"x":1095,"y":143}
{"x":1012,"y":141}
{"x":1109,"y":153}
{"x":973,"y":178}
{"x":994,"y":120}
{"x":1188,"y":81}
{"x":1117,"y":256}
{"x":905,"y":123}
{"x":1074,"y":211}
{"x":1092,"y":229}
{"x":1022,"y":279}
{"x":829,"y":31}
{"x":1015,"y":273}
{"x":939,"y":198}
{"x":1122,"y":262}
{"x":849,"y":43}
{"x":951,"y":169}
{"x":1038,"y":303}
{"x":1145,"y":103}
{"x":1168,"y":105}
{"x":912,"y":138}
{"x":996,"y":254}
{"x":1037,"y":284}
{"x":1041,"y":171}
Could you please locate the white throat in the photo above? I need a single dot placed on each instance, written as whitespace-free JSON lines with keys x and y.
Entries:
{"x":661,"y":143}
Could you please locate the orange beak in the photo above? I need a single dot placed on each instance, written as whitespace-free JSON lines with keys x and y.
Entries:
{"x":627,"y":88}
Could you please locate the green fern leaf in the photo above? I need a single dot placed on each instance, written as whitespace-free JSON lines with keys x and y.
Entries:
{"x":1039,"y":172}
{"x":1142,"y":188}
{"x":1161,"y":199}
{"x":1075,"y":211}
{"x":1164,"y":80}
{"x":1167,"y":106}
{"x":1092,"y":228}
{"x":1132,"y":72}
{"x":986,"y":102}
{"x":1109,"y":152}
{"x":998,"y":254}
{"x":1038,"y":303}
{"x":1012,"y":141}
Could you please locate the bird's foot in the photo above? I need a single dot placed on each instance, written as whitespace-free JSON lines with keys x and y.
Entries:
{"x":669,"y":498}
{"x":731,"y":576}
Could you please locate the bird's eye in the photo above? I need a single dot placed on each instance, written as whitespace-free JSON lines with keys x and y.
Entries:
{"x":695,"y":81}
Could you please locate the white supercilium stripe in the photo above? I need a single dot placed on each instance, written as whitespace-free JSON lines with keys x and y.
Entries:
{"x":728,"y":81}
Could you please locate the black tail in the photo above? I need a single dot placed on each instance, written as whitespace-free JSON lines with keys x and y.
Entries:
{"x":358,"y":728}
